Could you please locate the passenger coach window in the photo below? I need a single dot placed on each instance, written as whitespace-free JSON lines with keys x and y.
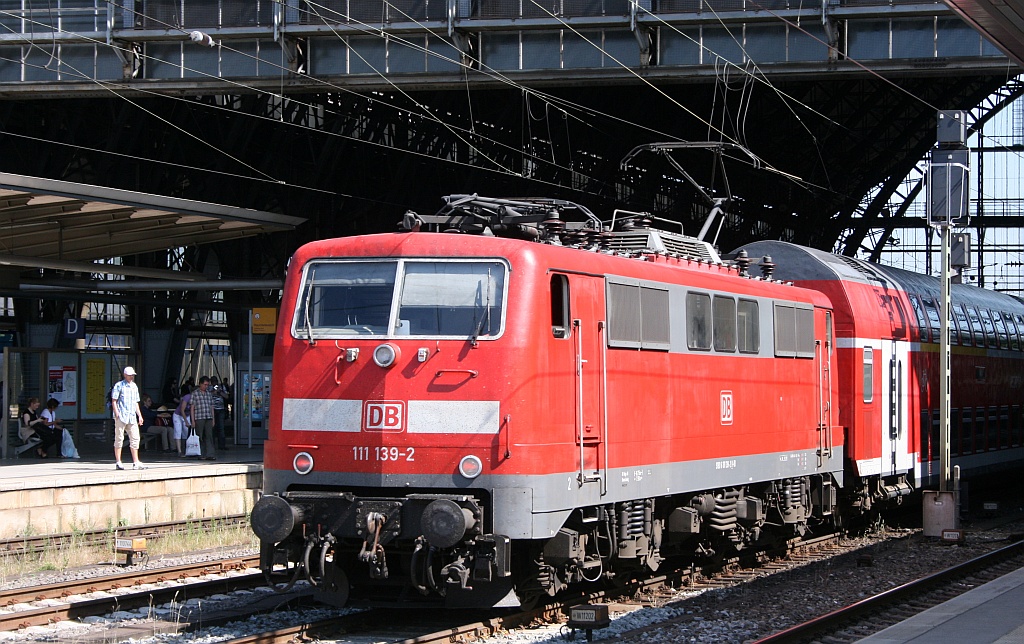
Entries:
{"x":869,"y":384}
{"x":934,"y":321}
{"x":1004,"y":339}
{"x":976,"y":331}
{"x":698,"y":321}
{"x":922,"y":323}
{"x":986,"y":324}
{"x":961,"y":323}
{"x":748,"y":327}
{"x":560,"y":306}
{"x":1011,"y":328}
{"x":725,"y":323}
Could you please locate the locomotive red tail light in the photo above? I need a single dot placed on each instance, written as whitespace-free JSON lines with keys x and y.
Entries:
{"x":470,"y":466}
{"x":385,"y":355}
{"x":303,"y":463}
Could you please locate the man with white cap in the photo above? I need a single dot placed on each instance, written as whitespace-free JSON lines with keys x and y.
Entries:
{"x":124,"y":399}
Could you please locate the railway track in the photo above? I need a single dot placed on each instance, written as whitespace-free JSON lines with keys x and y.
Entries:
{"x":434,"y":627}
{"x":41,"y":605}
{"x":20,"y":546}
{"x":871,"y":615}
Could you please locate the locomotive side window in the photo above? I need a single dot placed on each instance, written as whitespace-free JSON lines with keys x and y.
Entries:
{"x":869,"y":382}
{"x":748,"y":327}
{"x":654,"y":327}
{"x":638,"y":315}
{"x":698,"y":321}
{"x":794,"y":331}
{"x":560,"y":306}
{"x":623,"y":315}
{"x":724,"y":309}
{"x":452,"y":298}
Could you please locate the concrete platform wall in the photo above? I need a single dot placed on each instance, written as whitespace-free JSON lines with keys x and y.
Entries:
{"x":32,"y":506}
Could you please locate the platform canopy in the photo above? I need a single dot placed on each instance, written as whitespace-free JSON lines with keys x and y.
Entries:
{"x":62,"y":225}
{"x":1001,"y":21}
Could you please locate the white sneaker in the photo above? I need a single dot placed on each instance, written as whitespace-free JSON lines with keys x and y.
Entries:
{"x":119,"y":466}
{"x":139,"y":466}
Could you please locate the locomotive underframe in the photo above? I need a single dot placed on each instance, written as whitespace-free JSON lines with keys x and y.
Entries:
{"x":436,"y":547}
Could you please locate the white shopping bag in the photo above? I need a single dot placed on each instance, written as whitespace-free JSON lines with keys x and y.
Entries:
{"x":67,"y":446}
{"x":192,"y":444}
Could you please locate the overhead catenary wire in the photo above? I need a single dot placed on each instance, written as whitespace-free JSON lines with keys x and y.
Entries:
{"x":250,"y":88}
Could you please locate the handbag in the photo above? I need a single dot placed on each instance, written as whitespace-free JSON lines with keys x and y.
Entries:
{"x":67,"y":446}
{"x":192,"y":444}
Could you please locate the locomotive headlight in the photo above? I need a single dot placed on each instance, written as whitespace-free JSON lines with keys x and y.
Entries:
{"x":470,"y":466}
{"x":303,"y":463}
{"x":385,"y":355}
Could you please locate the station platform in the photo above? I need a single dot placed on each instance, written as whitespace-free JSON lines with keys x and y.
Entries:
{"x":59,"y":495}
{"x":989,"y":614}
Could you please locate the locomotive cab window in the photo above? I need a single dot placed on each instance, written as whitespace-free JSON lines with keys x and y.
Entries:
{"x":350,"y":298}
{"x":434,"y":298}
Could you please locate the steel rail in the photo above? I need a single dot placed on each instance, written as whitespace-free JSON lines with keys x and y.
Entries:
{"x":76,"y":609}
{"x":836,"y":618}
{"x":39,"y":543}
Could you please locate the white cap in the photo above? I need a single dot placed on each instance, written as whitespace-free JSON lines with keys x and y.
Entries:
{"x":128,"y":371}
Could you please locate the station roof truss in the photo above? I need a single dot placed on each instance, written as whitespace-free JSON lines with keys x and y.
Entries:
{"x":46,"y":223}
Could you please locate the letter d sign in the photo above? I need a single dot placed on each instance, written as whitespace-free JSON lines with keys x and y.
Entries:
{"x":74,"y":328}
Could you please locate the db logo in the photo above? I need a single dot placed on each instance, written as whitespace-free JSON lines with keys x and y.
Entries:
{"x":383,"y":416}
{"x":726,"y":407}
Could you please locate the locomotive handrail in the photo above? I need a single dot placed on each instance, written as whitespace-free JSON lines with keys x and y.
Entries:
{"x":473,"y":373}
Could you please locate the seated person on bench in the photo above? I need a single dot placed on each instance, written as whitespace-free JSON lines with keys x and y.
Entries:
{"x":33,"y":425}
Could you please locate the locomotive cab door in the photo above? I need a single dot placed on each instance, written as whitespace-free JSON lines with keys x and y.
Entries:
{"x":586,"y":331}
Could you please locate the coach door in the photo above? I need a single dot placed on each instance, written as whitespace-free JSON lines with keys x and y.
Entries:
{"x":588,"y":329}
{"x":894,"y":431}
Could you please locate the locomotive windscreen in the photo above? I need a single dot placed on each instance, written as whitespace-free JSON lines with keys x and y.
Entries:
{"x":434,"y":298}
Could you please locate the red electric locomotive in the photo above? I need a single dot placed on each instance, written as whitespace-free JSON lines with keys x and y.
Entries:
{"x":483,"y":420}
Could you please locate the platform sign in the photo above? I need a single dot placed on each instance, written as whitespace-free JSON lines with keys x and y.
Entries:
{"x":264,"y":321}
